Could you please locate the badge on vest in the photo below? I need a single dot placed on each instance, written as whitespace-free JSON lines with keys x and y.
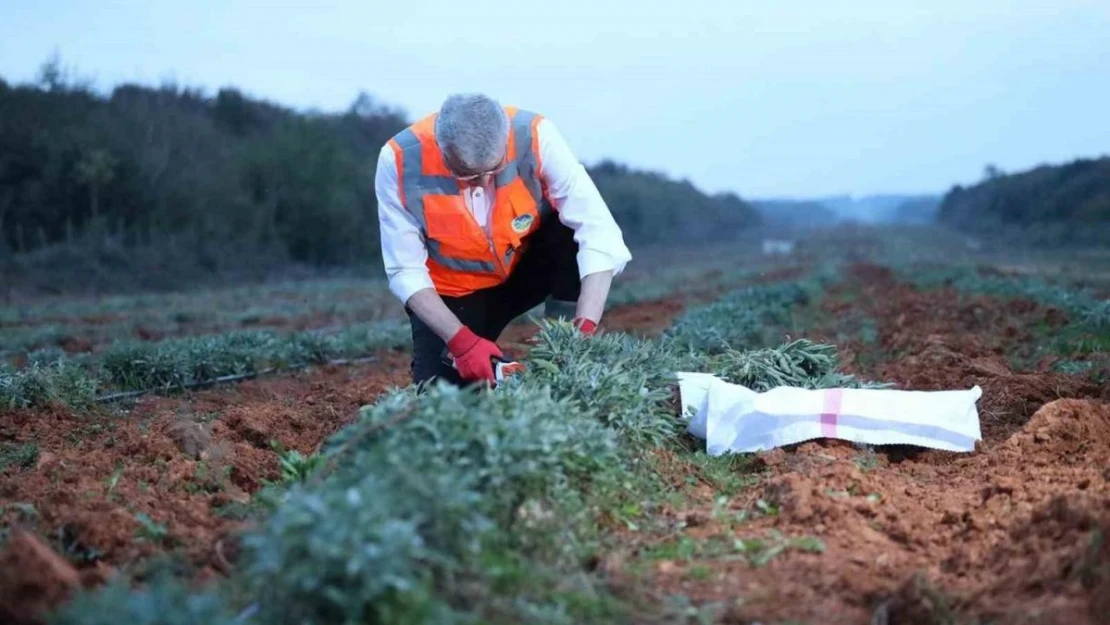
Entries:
{"x":522,"y":224}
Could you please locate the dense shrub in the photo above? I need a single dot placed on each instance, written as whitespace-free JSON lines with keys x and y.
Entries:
{"x":425,"y":488}
{"x":623,"y":381}
{"x":146,"y":165}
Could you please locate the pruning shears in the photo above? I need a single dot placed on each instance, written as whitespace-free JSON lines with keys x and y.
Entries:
{"x":503,"y":368}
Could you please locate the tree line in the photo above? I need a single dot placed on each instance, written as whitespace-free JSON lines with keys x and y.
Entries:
{"x":184,"y":184}
{"x":1050,"y":204}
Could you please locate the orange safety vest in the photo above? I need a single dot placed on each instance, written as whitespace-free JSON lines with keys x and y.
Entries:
{"x":461,"y":257}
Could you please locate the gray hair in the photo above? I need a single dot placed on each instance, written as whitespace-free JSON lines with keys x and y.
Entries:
{"x":472,"y":130}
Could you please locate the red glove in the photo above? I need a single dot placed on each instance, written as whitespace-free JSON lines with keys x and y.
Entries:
{"x":586,"y":326}
{"x":473,"y":356}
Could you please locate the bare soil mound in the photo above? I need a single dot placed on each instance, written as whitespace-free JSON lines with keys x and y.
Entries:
{"x":1014,"y":533}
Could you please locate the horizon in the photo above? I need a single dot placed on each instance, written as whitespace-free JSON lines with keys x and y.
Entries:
{"x":809,"y":102}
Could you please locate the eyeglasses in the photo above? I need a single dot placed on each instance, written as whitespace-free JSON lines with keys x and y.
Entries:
{"x":492,"y":172}
{"x":453,"y":165}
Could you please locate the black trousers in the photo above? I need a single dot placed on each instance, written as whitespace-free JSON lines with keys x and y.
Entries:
{"x":547,"y":270}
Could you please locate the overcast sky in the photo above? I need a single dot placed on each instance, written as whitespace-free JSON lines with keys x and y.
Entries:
{"x":763,"y":98}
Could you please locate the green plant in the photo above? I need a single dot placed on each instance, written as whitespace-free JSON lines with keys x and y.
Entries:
{"x":624,"y":382}
{"x":185,"y":362}
{"x":759,"y":552}
{"x":799,"y":363}
{"x":766,"y":509}
{"x":18,"y":455}
{"x":728,"y":474}
{"x":113,"y":480}
{"x":164,"y":602}
{"x":424,"y":489}
{"x":150,"y":530}
{"x":867,"y":460}
{"x":209,"y":478}
{"x":42,"y":385}
{"x":294,"y":466}
{"x":745,"y":318}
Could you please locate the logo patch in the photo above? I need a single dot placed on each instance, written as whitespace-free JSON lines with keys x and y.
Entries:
{"x":522,"y":223}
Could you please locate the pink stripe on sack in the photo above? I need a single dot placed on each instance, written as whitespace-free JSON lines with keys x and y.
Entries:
{"x":833,"y":399}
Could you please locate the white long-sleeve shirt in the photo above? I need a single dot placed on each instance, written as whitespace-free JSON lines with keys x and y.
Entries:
{"x":576,"y":199}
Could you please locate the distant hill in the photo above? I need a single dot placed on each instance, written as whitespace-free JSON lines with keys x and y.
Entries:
{"x":918,"y":210}
{"x":825,"y":211}
{"x":653,"y":208}
{"x":1051,"y":204}
{"x":882,"y":208}
{"x":795,"y":213}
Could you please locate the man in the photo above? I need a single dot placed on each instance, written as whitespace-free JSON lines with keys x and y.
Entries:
{"x":485,"y":214}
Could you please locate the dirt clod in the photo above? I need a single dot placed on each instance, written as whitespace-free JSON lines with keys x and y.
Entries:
{"x":191,"y":437}
{"x":32,"y":579}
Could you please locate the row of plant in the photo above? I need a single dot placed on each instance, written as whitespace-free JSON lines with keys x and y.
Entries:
{"x":1082,"y":304}
{"x":135,"y":366}
{"x":312,"y":293}
{"x":449,"y":506}
{"x":44,"y":327}
{"x":660,"y":285}
{"x":754,"y":315}
{"x":1081,"y":346}
{"x":130,"y":366}
{"x":116,"y":318}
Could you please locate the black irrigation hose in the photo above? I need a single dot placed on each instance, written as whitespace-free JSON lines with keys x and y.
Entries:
{"x":113,"y":397}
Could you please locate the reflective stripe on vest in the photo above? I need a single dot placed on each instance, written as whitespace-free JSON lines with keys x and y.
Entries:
{"x":416,"y":185}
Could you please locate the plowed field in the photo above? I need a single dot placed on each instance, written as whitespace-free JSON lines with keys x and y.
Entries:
{"x":1012,"y":533}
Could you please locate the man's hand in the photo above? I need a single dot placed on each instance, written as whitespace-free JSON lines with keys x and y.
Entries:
{"x":473,"y":356}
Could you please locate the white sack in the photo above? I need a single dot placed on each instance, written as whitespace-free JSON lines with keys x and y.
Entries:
{"x":733,"y":418}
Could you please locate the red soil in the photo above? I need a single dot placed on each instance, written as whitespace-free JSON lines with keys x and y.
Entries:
{"x":1008,"y":535}
{"x":942,"y":339}
{"x":1013,"y":533}
{"x":178,"y":460}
